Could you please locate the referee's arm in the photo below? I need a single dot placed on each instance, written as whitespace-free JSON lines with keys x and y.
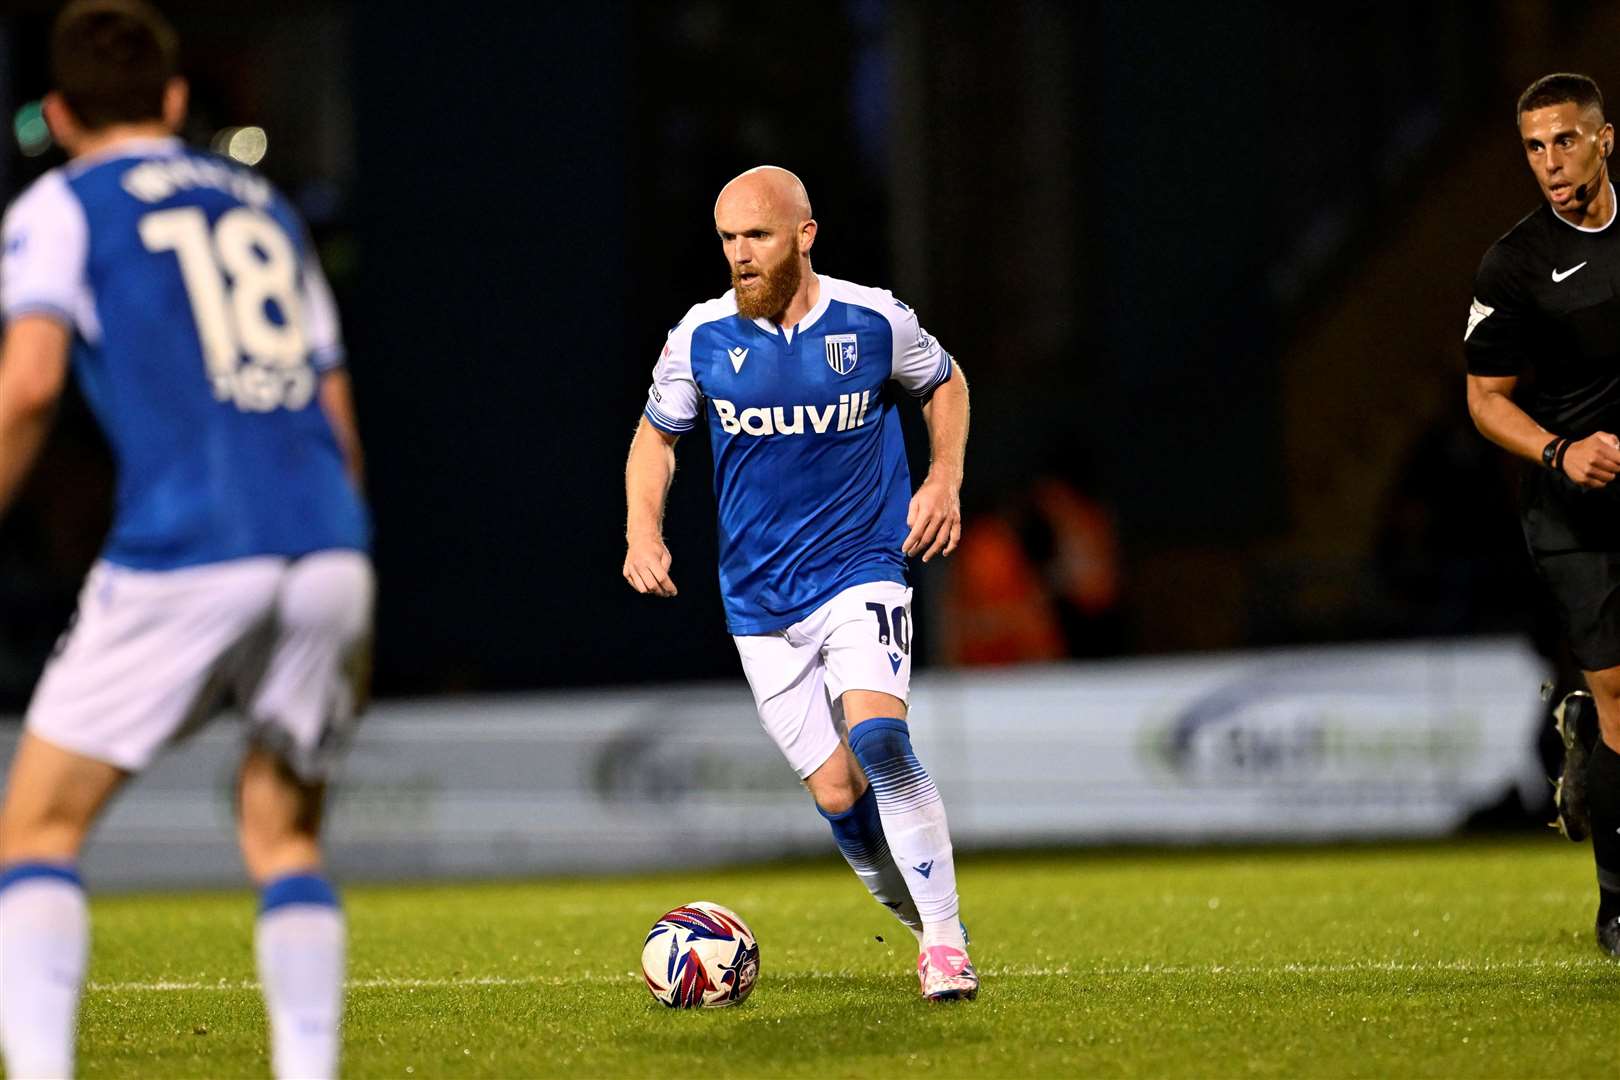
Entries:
{"x":1590,"y":462}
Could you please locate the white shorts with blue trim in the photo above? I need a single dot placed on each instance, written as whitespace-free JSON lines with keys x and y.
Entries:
{"x":861,"y":639}
{"x":152,"y":655}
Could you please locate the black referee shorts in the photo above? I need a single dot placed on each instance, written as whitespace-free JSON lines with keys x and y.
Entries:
{"x":1585,"y":587}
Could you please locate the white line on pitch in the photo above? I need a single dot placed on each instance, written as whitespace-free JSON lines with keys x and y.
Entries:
{"x":360,"y":984}
{"x":1105,"y":972}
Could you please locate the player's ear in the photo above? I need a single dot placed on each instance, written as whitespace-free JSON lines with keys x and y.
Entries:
{"x":66,"y":128}
{"x":176,"y":96}
{"x":807,"y":236}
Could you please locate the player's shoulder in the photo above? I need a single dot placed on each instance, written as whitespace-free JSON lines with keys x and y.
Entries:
{"x":48,"y":197}
{"x":872,"y":297}
{"x":705,"y":312}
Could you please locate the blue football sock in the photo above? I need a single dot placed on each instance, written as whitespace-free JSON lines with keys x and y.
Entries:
{"x":859,"y":832}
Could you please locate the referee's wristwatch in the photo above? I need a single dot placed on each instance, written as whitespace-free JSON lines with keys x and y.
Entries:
{"x":1552,"y":455}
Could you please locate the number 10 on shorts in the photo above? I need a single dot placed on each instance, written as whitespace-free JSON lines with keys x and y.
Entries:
{"x":893,"y":627}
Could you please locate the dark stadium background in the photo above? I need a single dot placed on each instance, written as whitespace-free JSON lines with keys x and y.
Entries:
{"x":1208,"y":267}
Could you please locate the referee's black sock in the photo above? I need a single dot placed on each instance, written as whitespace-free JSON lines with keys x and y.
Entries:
{"x":1603,"y":798}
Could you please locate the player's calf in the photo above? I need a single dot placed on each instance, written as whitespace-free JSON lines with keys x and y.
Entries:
{"x":299,"y":938}
{"x":52,"y":798}
{"x":847,"y":801}
{"x":858,"y":832}
{"x":913,"y":817}
{"x":278,"y":817}
{"x":851,"y":808}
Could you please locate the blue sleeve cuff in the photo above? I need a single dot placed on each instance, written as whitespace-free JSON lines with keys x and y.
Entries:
{"x":667,"y":424}
{"x":328,"y":359}
{"x":41,"y":307}
{"x":941,"y":376}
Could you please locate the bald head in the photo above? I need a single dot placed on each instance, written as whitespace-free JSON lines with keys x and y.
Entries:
{"x":766,"y":191}
{"x":766,"y":232}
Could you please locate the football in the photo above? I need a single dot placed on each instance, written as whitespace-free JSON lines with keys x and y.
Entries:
{"x":700,"y":955}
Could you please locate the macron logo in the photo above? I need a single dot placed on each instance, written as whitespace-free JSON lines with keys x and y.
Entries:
{"x":849,"y":411}
{"x":737,"y":357}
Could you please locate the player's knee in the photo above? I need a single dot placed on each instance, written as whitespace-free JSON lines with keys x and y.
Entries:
{"x":838,"y":783}
{"x":863,"y":705}
{"x":835,"y":800}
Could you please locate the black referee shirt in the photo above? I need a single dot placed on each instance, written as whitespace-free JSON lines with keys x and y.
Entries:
{"x":1547,"y":308}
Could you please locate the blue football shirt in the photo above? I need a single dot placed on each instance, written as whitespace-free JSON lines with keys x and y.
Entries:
{"x":810,"y":470}
{"x":201,"y":325}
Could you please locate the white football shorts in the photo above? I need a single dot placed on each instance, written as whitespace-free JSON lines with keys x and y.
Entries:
{"x":859,"y":640}
{"x":152,"y":655}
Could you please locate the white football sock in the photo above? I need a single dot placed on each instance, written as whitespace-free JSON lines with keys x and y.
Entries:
{"x":44,"y":944}
{"x":948,"y":932}
{"x":913,"y":816}
{"x":299,"y":942}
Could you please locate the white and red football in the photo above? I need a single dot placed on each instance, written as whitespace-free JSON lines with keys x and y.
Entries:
{"x":700,"y":955}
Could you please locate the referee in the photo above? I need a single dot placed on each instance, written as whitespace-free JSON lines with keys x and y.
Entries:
{"x":1547,"y":311}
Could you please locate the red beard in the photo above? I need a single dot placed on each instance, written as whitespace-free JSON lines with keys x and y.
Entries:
{"x":770,"y":293}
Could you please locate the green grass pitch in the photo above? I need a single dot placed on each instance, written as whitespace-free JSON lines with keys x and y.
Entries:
{"x":1472,"y":959}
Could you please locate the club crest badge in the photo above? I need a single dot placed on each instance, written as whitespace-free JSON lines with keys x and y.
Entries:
{"x":842,"y":352}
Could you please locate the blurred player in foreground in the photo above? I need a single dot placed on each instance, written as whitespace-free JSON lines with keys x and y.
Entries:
{"x":184,"y":290}
{"x":799,"y":372}
{"x":1547,"y":308}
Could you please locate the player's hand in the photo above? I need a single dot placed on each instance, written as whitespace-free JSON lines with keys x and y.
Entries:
{"x":1594,"y":461}
{"x":935,"y":518}
{"x":646,"y":567}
